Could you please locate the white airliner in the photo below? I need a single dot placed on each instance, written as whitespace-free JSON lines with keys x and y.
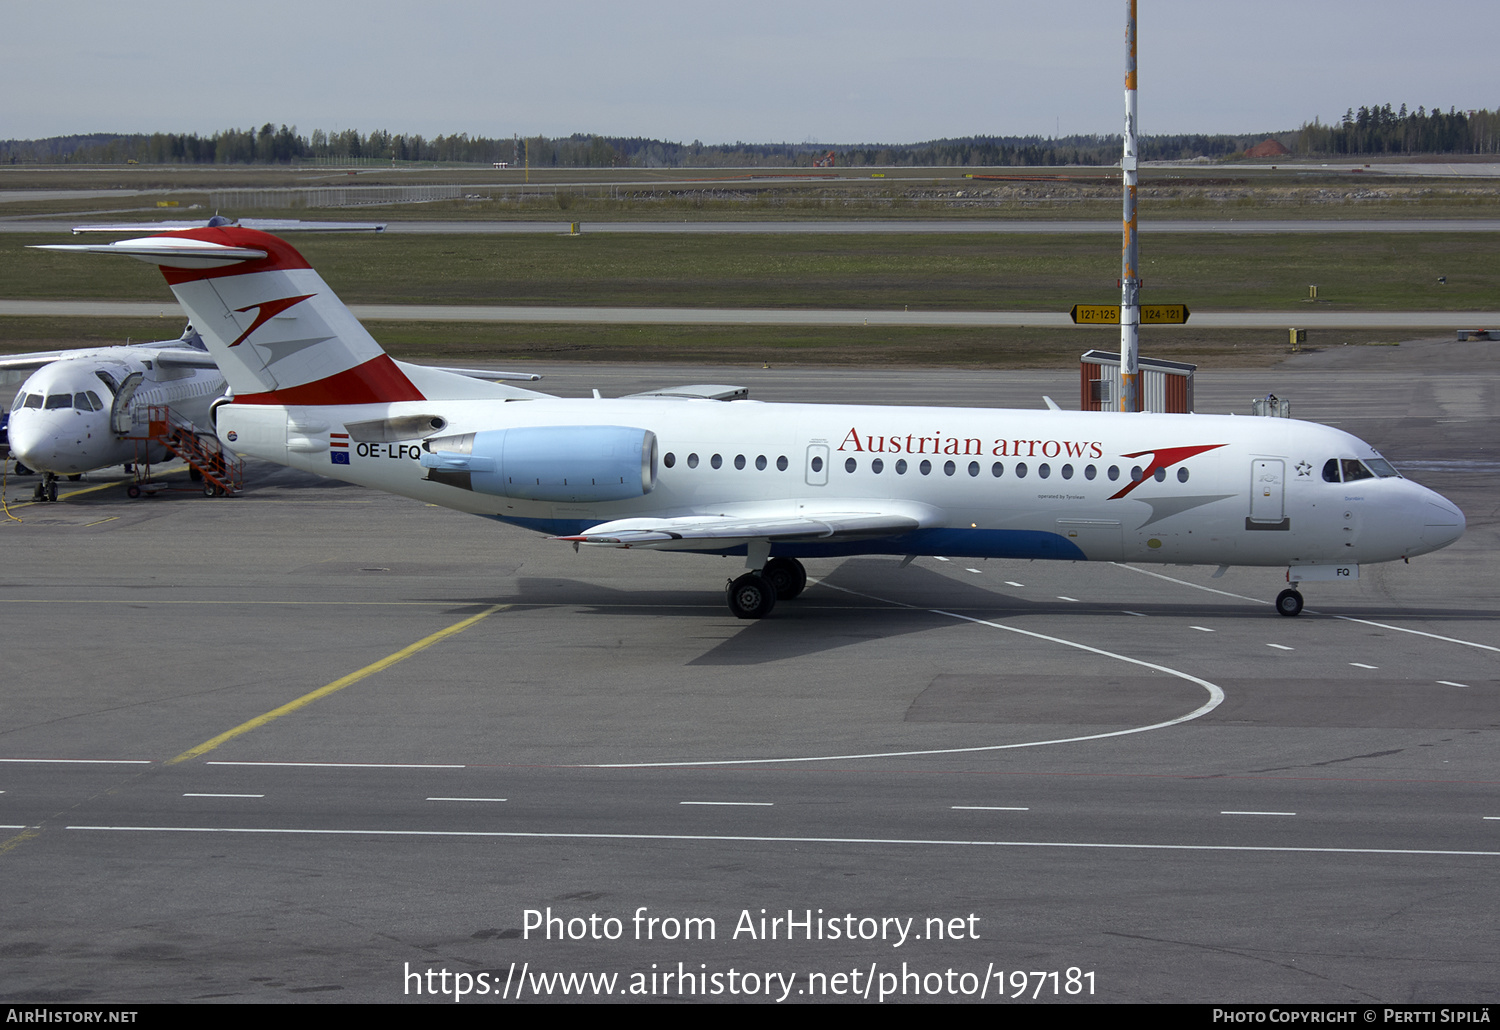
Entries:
{"x":778,"y":482}
{"x":80,"y":409}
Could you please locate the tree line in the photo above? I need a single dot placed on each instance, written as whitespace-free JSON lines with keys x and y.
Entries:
{"x":1371,"y":130}
{"x":1381,"y":130}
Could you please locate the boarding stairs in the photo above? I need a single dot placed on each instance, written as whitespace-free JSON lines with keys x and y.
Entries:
{"x":221,"y":473}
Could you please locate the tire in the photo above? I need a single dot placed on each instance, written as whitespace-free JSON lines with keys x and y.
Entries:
{"x":52,"y":490}
{"x":133,"y":490}
{"x":751,"y":596}
{"x":788,"y":577}
{"x":209,"y":490}
{"x":1289,"y":603}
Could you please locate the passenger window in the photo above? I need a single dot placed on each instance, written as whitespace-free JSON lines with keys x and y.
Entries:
{"x":1331,"y":471}
{"x":925,"y":468}
{"x":900,"y":466}
{"x":1114,"y":473}
{"x":693,"y":461}
{"x":997,"y":470}
{"x":817,"y":464}
{"x":1161,"y":475}
{"x":1044,"y":470}
{"x":716,"y":461}
{"x":669,"y":459}
{"x":1136,"y":475}
{"x":949,"y":468}
{"x":781,"y":463}
{"x":1067,"y":471}
{"x":850,"y":465}
{"x":1020,"y":470}
{"x":1090,"y":472}
{"x":760,"y":463}
{"x":877,"y":466}
{"x":973,"y":468}
{"x":1353,"y":471}
{"x":1182,"y":475}
{"x":739,"y":461}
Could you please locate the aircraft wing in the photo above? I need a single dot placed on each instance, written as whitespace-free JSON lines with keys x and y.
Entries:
{"x":788,"y":525}
{"x":33,"y":361}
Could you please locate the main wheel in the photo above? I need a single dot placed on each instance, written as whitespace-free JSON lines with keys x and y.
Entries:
{"x":751,"y":596}
{"x":788,"y":577}
{"x":52,"y":490}
{"x":1289,"y":602}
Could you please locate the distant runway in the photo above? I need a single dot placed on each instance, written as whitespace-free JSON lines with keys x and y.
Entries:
{"x":1414,"y":320}
{"x":862,"y":226}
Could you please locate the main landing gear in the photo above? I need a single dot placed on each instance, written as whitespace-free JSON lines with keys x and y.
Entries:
{"x":754,"y":594}
{"x":1289,"y":602}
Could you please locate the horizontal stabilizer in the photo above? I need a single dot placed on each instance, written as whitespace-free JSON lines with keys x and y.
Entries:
{"x":171,"y":251}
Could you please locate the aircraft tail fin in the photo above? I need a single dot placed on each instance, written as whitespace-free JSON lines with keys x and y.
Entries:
{"x":278,"y":333}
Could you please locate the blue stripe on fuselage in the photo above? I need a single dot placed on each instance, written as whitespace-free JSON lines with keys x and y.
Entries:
{"x":957,"y":543}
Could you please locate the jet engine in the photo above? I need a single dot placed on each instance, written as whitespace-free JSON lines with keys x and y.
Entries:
{"x":546,"y":463}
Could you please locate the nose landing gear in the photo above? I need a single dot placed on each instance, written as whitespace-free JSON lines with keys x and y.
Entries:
{"x":1289,"y":602}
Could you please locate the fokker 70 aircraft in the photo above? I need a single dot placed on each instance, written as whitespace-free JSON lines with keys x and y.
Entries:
{"x":82,"y":410}
{"x":778,"y":482}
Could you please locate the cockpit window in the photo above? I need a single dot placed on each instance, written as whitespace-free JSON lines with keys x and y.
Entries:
{"x":34,"y":400}
{"x":59,"y":400}
{"x":82,"y":403}
{"x":1355,"y":470}
{"x":1331,"y":471}
{"x":19,"y":402}
{"x":1382,"y":468}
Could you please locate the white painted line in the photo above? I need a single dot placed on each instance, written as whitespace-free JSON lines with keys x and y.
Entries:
{"x":1215,"y":698}
{"x":1060,"y":597}
{"x":986,"y":808}
{"x":1013,"y":583}
{"x":1138,"y":615}
{"x":223,"y":795}
{"x":340,"y":765}
{"x":1488,"y":818}
{"x":1417,"y":632}
{"x":731,"y":804}
{"x":468,"y":799}
{"x":1446,"y":683}
{"x":1183,"y":582}
{"x":1281,"y":647}
{"x":1362,"y":665}
{"x":975,"y":571}
{"x":79,"y":761}
{"x":939,"y":557}
{"x":1201,"y":629}
{"x":735,"y":839}
{"x":1257,"y":813}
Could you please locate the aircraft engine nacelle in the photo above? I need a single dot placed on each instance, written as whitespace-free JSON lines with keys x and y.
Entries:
{"x":547,"y":463}
{"x":213,"y":409}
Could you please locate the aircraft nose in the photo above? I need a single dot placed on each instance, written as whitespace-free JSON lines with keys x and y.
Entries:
{"x":29,"y":439}
{"x":1443,"y":523}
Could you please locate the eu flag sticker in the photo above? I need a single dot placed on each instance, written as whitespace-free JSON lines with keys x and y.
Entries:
{"x":339,"y":457}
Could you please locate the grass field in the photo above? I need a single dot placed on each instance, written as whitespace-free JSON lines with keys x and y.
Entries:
{"x":878,"y":272}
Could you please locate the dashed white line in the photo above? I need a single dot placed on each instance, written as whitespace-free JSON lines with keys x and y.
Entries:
{"x":732,"y":804}
{"x":1446,"y":683}
{"x":1281,"y":647}
{"x":468,"y":799}
{"x":1362,"y":665}
{"x":1060,"y":597}
{"x":1013,"y":583}
{"x":223,"y":795}
{"x":79,"y":761}
{"x":939,"y":557}
{"x":975,"y":571}
{"x":1201,"y":629}
{"x":1257,"y":813}
{"x":1138,"y":615}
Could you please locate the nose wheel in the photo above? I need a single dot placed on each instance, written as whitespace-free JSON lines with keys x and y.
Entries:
{"x":1289,"y":602}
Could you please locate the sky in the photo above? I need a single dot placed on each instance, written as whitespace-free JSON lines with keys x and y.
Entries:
{"x":872,"y":71}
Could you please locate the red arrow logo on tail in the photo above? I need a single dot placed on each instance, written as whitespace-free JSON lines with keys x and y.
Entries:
{"x":268,"y":310}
